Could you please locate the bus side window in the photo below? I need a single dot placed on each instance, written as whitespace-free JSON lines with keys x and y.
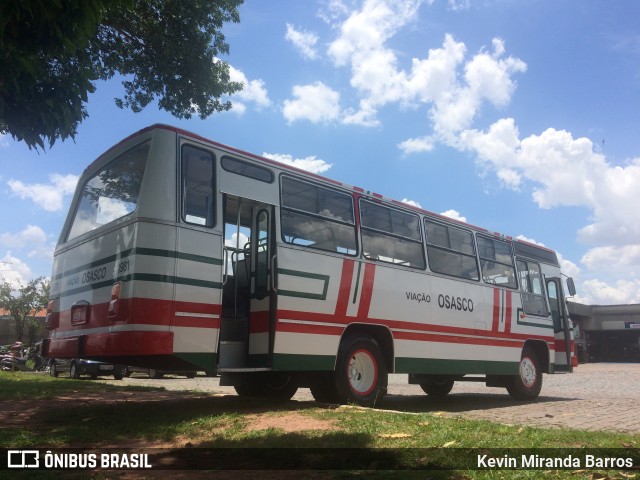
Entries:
{"x":317,"y":217}
{"x":197,"y":186}
{"x":391,"y":236}
{"x":451,"y":251}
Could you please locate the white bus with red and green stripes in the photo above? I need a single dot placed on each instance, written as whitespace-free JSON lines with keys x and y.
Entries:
{"x":181,"y":253}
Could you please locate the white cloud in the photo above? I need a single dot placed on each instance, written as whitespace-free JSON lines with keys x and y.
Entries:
{"x":613,"y":258}
{"x":32,"y":234}
{"x":417,"y":145}
{"x":411,"y":202}
{"x":564,"y":171}
{"x":14,"y":271}
{"x":455,"y":215}
{"x":530,"y":240}
{"x":49,"y":197}
{"x":303,"y":41}
{"x":310,"y":164}
{"x":457,"y":5}
{"x":487,"y":77}
{"x":452,"y":90}
{"x":4,"y":140}
{"x":32,"y":239}
{"x":254,"y":92}
{"x":316,"y":103}
{"x":621,"y":292}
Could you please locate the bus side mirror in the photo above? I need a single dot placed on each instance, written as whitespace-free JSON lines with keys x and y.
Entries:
{"x":571,"y":286}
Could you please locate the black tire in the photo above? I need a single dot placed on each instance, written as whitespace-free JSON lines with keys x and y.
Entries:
{"x":324,"y":389}
{"x":119,"y":372}
{"x":437,"y":385}
{"x":155,"y":374}
{"x":191,"y":375}
{"x":275,"y":385}
{"x":361,"y":373}
{"x":528,"y":383}
{"x":53,"y":369}
{"x":73,"y":371}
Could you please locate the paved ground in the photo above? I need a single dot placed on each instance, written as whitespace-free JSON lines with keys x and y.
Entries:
{"x":597,"y":396}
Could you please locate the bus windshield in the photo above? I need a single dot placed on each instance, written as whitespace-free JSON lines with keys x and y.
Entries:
{"x":111,"y":193}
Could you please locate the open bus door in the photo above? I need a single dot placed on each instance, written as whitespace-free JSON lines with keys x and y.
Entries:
{"x":248,"y":300}
{"x":561,"y":326}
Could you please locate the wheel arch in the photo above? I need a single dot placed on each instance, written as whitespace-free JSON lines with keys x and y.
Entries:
{"x":541,"y":349}
{"x":381,"y":334}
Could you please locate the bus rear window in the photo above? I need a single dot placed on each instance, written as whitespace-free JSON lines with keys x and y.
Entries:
{"x":111,"y":193}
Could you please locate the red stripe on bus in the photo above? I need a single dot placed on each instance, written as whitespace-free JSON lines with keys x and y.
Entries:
{"x":345,"y":288}
{"x":303,"y":328}
{"x":259,"y":322}
{"x":147,"y":311}
{"x":367,"y":291}
{"x":112,"y":344}
{"x":395,"y":325}
{"x":307,"y":328}
{"x":561,"y":345}
{"x":426,"y":337}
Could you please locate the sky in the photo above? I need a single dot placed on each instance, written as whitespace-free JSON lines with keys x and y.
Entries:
{"x":517,"y":116}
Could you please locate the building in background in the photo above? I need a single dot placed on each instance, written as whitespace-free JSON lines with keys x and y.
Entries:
{"x":606,"y":333}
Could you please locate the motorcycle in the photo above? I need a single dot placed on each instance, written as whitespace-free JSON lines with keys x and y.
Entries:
{"x":22,"y":360}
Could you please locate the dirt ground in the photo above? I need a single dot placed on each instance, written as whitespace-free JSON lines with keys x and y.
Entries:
{"x":32,"y":414}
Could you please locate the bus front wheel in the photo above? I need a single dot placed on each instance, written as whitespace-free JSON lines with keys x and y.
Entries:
{"x":361,"y":373}
{"x":528,"y":383}
{"x":437,"y":386}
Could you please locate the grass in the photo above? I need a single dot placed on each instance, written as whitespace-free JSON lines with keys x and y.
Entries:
{"x":210,"y":422}
{"x":41,"y":386}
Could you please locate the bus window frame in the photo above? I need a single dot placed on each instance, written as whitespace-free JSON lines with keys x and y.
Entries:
{"x":297,"y":211}
{"x":387,"y":234}
{"x":429,"y":246}
{"x":226,"y":168}
{"x":184,"y":190}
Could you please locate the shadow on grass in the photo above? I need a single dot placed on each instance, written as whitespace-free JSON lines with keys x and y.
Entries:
{"x":214,"y":435}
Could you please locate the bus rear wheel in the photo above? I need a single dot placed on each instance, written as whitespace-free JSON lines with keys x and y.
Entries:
{"x":276,"y":385}
{"x":361,"y":373}
{"x":324,"y":388}
{"x":528,"y":383}
{"x":437,"y":386}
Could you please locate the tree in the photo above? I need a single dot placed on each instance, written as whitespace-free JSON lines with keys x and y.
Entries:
{"x":52,"y":52}
{"x":25,"y":303}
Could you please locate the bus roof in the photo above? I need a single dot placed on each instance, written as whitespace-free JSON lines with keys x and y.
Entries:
{"x":525,"y":248}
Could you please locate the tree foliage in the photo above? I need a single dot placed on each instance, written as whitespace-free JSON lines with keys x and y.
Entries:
{"x":52,"y":52}
{"x":24,"y":303}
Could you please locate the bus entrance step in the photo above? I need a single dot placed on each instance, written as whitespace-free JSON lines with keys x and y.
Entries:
{"x":234,"y":329}
{"x":233,"y":354}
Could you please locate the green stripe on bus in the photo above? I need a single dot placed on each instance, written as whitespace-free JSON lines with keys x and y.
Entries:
{"x":291,"y":362}
{"x":313,"y":276}
{"x":455,"y":367}
{"x":153,"y":252}
{"x":145,"y":277}
{"x":203,"y":361}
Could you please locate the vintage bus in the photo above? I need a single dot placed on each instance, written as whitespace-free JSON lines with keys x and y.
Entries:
{"x":182,"y":253}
